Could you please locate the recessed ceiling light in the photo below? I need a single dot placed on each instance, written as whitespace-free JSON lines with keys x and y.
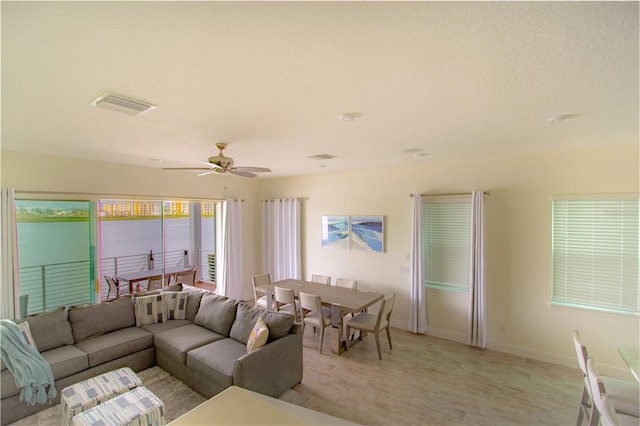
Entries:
{"x":349,"y":116}
{"x":412,"y":150}
{"x":155,"y":160}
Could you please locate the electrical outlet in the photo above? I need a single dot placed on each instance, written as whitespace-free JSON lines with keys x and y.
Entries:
{"x":404,"y":269}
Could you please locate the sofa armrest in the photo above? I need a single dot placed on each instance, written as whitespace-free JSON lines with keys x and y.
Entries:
{"x":273,"y":368}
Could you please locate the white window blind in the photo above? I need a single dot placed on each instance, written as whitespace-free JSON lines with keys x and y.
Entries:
{"x":446,"y":242}
{"x":595,"y":253}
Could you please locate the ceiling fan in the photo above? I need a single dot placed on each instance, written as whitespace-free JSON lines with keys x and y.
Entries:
{"x":221,"y":164}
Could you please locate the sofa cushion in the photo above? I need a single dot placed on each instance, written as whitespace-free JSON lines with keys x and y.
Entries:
{"x":116,"y":344}
{"x":164,"y":326}
{"x":64,"y":361}
{"x":217,"y":313}
{"x":216,"y":360}
{"x":176,"y":304}
{"x":95,"y":320}
{"x":279,"y":323}
{"x":51,"y":329}
{"x":150,"y":309}
{"x":193,"y":301}
{"x":178,"y":341}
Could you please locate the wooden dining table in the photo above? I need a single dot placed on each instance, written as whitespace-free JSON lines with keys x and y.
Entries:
{"x":134,"y":277}
{"x":342,"y":301}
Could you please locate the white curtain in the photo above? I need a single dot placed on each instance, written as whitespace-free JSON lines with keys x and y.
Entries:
{"x":418,"y":308}
{"x":281,"y":252}
{"x":9,"y":255}
{"x":230,"y":283}
{"x":477,"y":314}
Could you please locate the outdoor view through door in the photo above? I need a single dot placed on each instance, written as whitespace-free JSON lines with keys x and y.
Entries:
{"x":65,"y":248}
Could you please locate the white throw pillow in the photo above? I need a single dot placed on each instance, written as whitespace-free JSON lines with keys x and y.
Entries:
{"x":150,"y":309}
{"x":258,"y":336}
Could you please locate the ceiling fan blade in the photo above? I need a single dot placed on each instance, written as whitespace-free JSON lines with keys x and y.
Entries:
{"x":211,"y":165}
{"x":210,"y":172}
{"x":240,"y":173}
{"x":186,"y":168}
{"x":251,"y":169}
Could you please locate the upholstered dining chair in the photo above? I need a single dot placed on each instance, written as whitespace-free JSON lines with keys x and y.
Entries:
{"x":114,"y":287}
{"x":188,"y":277}
{"x":371,"y":323}
{"x":258,"y":280}
{"x":347,"y":283}
{"x":312,"y":314}
{"x":320,"y":279}
{"x":604,"y":412}
{"x":285,"y":301}
{"x":623,"y":394}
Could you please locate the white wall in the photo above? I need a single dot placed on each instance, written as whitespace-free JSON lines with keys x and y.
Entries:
{"x":518,"y":241}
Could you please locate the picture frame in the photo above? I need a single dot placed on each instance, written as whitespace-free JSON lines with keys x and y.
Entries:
{"x":335,"y":231}
{"x":366,"y":233}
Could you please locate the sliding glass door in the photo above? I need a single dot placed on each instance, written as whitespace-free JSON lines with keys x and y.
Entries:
{"x":54,"y":254}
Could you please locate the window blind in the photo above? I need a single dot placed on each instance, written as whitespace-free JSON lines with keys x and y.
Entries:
{"x":446,"y":242}
{"x":595,"y":253}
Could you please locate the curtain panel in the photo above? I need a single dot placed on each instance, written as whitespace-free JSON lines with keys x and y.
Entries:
{"x":282,"y":254}
{"x":477,"y":316}
{"x":418,"y":307}
{"x":9,"y":255}
{"x":231,"y":266}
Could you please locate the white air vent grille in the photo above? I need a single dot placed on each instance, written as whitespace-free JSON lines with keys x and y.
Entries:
{"x":122,"y":104}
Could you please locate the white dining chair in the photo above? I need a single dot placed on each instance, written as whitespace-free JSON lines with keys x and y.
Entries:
{"x":346,"y":283}
{"x":622,"y":393}
{"x":256,"y":281}
{"x":320,"y":279}
{"x":605,"y":412}
{"x":312,"y":314}
{"x":285,"y":301}
{"x":371,"y":323}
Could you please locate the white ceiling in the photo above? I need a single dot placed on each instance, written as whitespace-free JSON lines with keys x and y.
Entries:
{"x":454,"y":79}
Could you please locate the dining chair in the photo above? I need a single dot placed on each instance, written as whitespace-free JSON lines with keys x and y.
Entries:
{"x":114,"y":287}
{"x":371,"y":323}
{"x":347,"y":283}
{"x":285,"y":301}
{"x":605,"y":412}
{"x":188,"y":277}
{"x":622,"y":394}
{"x":320,"y":279}
{"x":258,"y":280}
{"x":157,"y":283}
{"x":312,"y":314}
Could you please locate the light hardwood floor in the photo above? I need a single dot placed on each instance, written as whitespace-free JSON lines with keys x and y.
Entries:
{"x":426,"y":380}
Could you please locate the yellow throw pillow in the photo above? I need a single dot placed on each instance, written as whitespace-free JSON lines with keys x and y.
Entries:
{"x":258,"y":336}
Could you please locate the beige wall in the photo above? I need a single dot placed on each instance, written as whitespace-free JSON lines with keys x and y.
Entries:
{"x":518,"y":241}
{"x":518,"y":221}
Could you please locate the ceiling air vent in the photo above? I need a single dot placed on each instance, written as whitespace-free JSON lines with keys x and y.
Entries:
{"x":322,"y":157}
{"x":122,"y":104}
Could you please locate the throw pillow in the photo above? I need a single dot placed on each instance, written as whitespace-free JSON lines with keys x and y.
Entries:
{"x":176,"y":304}
{"x":150,"y":309}
{"x":258,"y":336}
{"x":26,"y":333}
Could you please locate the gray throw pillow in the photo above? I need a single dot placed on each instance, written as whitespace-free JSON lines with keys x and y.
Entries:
{"x":216,"y":313}
{"x":51,"y":329}
{"x":279,"y":323}
{"x":193,"y":301}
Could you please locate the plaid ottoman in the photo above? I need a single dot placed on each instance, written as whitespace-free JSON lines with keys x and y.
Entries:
{"x":138,"y":407}
{"x":89,"y":393}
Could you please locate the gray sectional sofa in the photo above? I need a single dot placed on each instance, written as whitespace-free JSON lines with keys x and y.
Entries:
{"x":206,"y":350}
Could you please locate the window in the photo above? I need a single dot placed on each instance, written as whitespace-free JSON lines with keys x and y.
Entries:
{"x":595,"y":252}
{"x":446,"y":242}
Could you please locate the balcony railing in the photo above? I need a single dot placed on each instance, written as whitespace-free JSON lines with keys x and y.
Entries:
{"x":67,"y":284}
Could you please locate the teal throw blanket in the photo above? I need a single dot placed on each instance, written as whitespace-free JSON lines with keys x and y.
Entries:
{"x":31,"y":372}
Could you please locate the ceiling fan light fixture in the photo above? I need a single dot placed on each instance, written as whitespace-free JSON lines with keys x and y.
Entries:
{"x":350,"y":116}
{"x":320,"y":157}
{"x":122,"y":104}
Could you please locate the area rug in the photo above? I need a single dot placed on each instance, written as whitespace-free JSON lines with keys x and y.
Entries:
{"x":178,"y":398}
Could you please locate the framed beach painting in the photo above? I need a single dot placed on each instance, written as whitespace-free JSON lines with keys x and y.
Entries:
{"x":367,"y":233}
{"x":335,"y":231}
